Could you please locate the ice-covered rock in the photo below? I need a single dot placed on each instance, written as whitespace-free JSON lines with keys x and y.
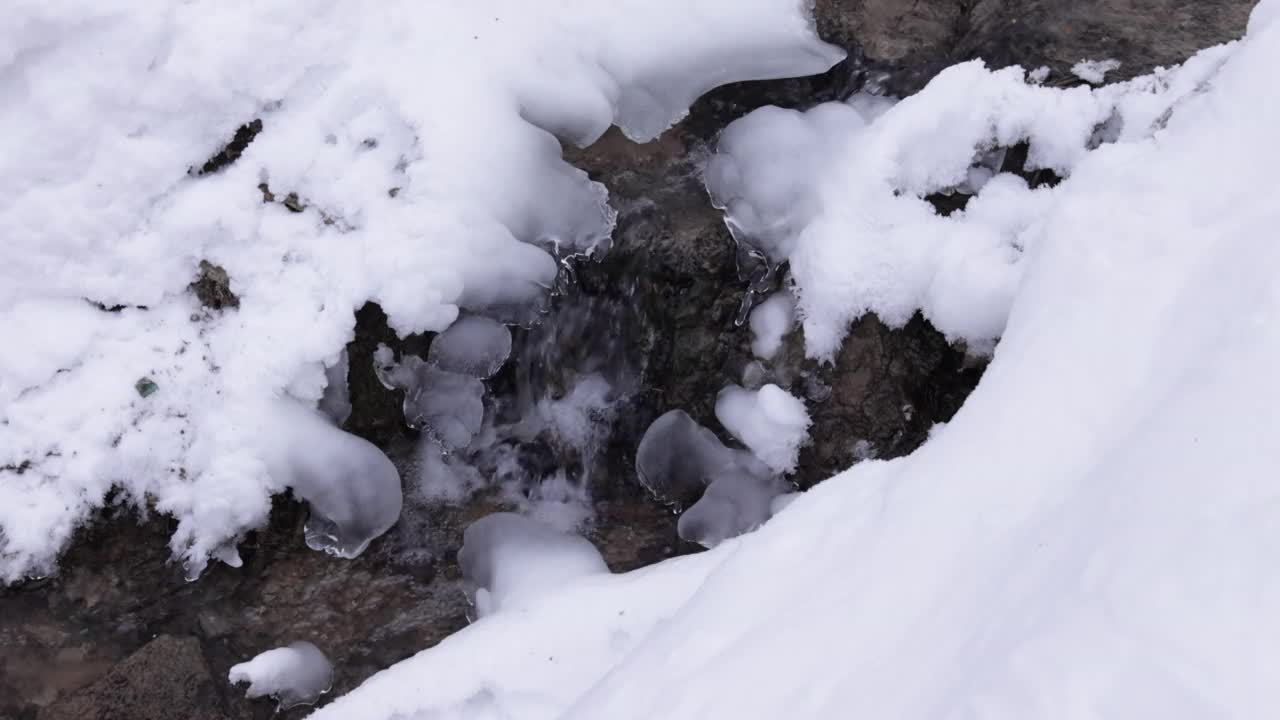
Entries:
{"x":770,"y":321}
{"x":352,"y":489}
{"x":677,"y":458}
{"x":770,"y":421}
{"x":734,"y":503}
{"x":474,"y":345}
{"x":297,"y":674}
{"x":508,"y":558}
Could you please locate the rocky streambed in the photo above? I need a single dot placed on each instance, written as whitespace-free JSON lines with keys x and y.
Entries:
{"x":120,"y":633}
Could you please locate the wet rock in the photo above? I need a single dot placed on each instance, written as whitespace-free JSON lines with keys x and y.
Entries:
{"x":168,"y":677}
{"x":887,"y":388}
{"x":213,"y":287}
{"x":913,"y":41}
{"x":63,"y":637}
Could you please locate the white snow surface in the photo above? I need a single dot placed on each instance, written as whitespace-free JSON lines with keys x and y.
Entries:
{"x":297,"y":674}
{"x":419,"y":141}
{"x":1094,"y":535}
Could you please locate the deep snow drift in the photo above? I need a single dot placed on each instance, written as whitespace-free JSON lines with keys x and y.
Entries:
{"x":407,"y":155}
{"x":1095,"y":534}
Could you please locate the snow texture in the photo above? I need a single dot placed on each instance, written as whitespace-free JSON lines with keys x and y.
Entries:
{"x":407,"y":156}
{"x":297,"y":674}
{"x":771,"y":422}
{"x":1094,"y":71}
{"x":1093,"y":535}
{"x":840,"y":190}
{"x":508,"y":559}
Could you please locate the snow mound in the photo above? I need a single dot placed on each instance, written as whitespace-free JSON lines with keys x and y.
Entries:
{"x":297,"y":674}
{"x":373,"y":164}
{"x":507,"y":559}
{"x":839,"y":191}
{"x":1093,"y":535}
{"x":770,"y":421}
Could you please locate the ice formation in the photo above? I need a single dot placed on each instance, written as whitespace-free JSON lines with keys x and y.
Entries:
{"x":448,"y":406}
{"x":770,"y":321}
{"x":297,"y":674}
{"x":508,"y":559}
{"x":839,"y":191}
{"x":677,"y":458}
{"x":474,"y":345}
{"x":727,"y":492}
{"x":1093,"y":535}
{"x":351,"y":487}
{"x":770,"y":421}
{"x":380,"y":168}
{"x":734,"y":503}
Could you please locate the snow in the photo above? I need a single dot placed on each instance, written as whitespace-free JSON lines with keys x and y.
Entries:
{"x":770,"y":321}
{"x":352,"y":488}
{"x":1094,"y":71}
{"x":1093,"y":535}
{"x":771,"y":422}
{"x":297,"y":674}
{"x":407,"y":156}
{"x":509,"y":559}
{"x":839,"y":192}
{"x":447,"y":406}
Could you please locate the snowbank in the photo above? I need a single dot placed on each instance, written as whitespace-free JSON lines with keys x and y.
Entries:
{"x":407,"y":155}
{"x":1094,"y":534}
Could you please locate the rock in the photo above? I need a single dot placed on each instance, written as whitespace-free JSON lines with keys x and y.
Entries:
{"x":887,"y":388}
{"x":213,"y":287}
{"x":913,"y":41}
{"x":166,"y":678}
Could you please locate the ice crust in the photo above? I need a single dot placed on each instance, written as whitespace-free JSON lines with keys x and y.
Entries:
{"x":509,"y":559}
{"x":407,"y":156}
{"x":297,"y":674}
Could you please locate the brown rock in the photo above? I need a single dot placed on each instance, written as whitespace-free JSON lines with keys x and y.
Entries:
{"x":165,"y":679}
